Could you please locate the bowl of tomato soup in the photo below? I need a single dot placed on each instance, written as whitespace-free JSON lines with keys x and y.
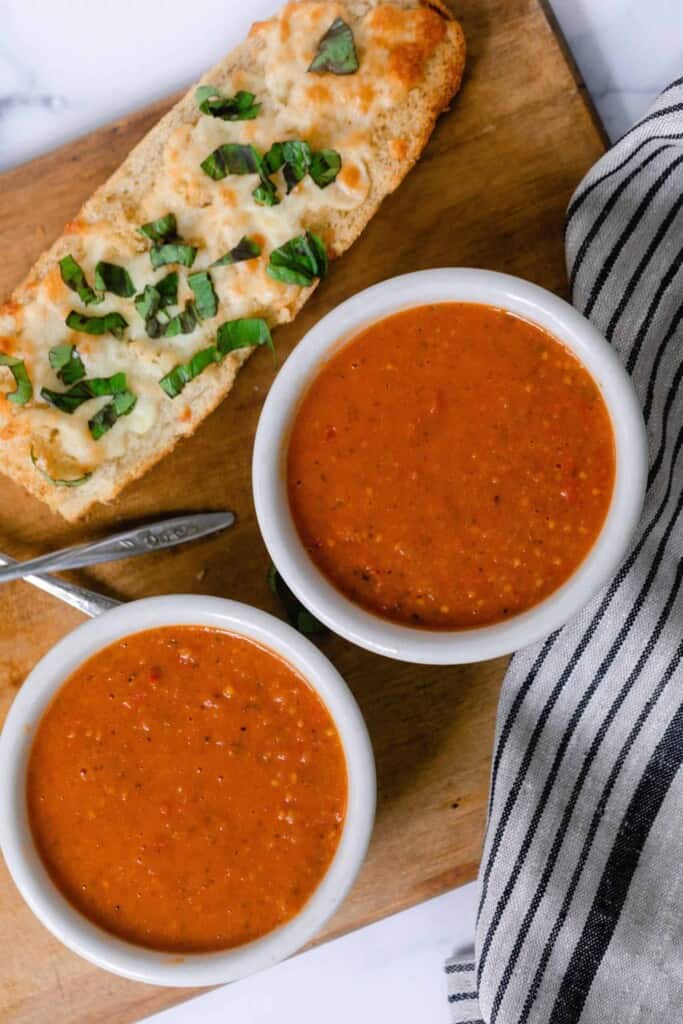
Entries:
{"x":187,"y":790}
{"x":449,"y":466}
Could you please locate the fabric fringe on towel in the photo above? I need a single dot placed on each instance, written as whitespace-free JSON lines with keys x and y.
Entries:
{"x":581,"y":913}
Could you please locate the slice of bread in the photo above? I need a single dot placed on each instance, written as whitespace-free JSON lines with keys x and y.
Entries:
{"x":378,"y":119}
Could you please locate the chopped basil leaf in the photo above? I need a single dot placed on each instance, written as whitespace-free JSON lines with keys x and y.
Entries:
{"x":246,"y":249}
{"x":74,"y":278}
{"x":299,"y":261}
{"x":174,"y":382}
{"x":325,"y":166}
{"x":24,"y":389}
{"x":240,"y":107}
{"x":167,"y":288}
{"x":83,"y":391}
{"x":205,"y":299}
{"x":165,"y":229}
{"x":110,"y":323}
{"x":123,"y":403}
{"x":232,"y":158}
{"x":168,"y":246}
{"x":152,"y":302}
{"x":274,"y":158}
{"x":265,"y":194}
{"x":244,"y":333}
{"x":74,"y":482}
{"x":297,"y":160}
{"x":183,"y":323}
{"x":336,"y":51}
{"x":67,"y":364}
{"x":148,"y":301}
{"x":111,"y":278}
{"x":230,"y":336}
{"x":298,"y":616}
{"x":172,"y":252}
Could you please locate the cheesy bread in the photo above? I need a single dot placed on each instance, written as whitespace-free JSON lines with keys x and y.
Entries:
{"x":130,"y":329}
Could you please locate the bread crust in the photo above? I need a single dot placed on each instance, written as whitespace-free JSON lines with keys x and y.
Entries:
{"x":439,"y":79}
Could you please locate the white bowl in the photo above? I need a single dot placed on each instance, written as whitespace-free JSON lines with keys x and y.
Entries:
{"x":269,"y":474}
{"x":27,"y":869}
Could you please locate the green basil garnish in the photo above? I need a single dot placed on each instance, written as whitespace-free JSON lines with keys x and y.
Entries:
{"x":265,"y":194}
{"x":152,"y":302}
{"x":167,"y":288}
{"x":240,"y":107}
{"x":246,"y":249}
{"x":205,"y":299}
{"x":298,"y":615}
{"x":274,"y":158}
{"x":148,"y":301}
{"x":299,"y":261}
{"x":174,"y":382}
{"x":74,"y":278}
{"x":336,"y":51}
{"x":325,"y":166}
{"x":123,"y":403}
{"x":165,"y":229}
{"x":244,"y":333}
{"x":110,"y":323}
{"x":183,"y":322}
{"x":230,"y":336}
{"x":67,"y":364}
{"x":232,"y":158}
{"x":83,"y":391}
{"x":74,"y":482}
{"x":172,"y":252}
{"x":109,"y":277}
{"x":168,"y":246}
{"x":297,"y":160}
{"x":23,"y":392}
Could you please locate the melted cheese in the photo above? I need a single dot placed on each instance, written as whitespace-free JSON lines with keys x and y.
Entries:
{"x":326,"y":110}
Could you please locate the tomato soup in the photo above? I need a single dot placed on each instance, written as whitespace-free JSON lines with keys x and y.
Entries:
{"x":186,"y":789}
{"x":450,"y":466}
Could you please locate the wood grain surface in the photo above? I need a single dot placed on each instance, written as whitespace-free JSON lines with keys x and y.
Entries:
{"x":490,"y":191}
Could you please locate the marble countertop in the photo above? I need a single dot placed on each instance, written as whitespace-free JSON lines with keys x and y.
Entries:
{"x":57,"y":81}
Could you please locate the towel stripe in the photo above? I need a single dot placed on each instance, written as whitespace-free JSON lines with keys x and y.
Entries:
{"x":605,"y":212}
{"x":649,"y":254}
{"x":588,"y":762}
{"x":582,"y":196}
{"x":672,"y":667}
{"x":586,"y":698}
{"x":589,"y":738}
{"x":633,"y":223}
{"x":621,"y":866}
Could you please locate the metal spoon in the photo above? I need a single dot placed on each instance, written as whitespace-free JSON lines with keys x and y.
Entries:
{"x":86,"y":601}
{"x":139,"y":541}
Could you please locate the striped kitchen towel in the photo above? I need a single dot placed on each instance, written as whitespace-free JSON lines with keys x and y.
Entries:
{"x":581,"y":912}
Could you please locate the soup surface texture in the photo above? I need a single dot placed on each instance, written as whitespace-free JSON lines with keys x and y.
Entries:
{"x":186,"y":789}
{"x":450,"y":466}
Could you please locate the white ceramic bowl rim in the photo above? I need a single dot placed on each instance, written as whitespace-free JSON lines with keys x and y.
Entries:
{"x":269,"y":477}
{"x":27,"y":869}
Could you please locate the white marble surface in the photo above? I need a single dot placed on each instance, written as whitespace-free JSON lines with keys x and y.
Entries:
{"x":67,"y":66}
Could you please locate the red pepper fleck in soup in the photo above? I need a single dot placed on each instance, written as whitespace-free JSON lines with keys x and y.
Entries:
{"x":186,"y":789}
{"x":450,"y":466}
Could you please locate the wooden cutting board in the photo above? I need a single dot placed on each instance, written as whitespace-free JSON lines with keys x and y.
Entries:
{"x":490,"y":191}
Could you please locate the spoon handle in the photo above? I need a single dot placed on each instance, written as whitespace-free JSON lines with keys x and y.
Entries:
{"x":86,"y":601}
{"x":138,"y":541}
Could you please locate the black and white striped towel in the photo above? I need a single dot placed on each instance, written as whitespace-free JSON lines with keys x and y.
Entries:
{"x":581,"y":913}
